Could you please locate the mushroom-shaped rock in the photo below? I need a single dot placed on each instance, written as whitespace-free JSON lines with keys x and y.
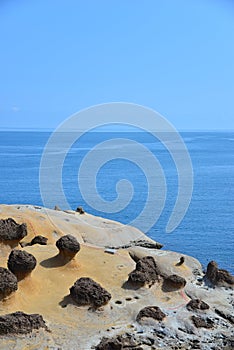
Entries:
{"x":146,"y":271}
{"x":21,"y":263}
{"x":8,"y":283}
{"x":175,"y":281}
{"x":39,"y":240}
{"x":197,"y":304}
{"x":86,"y":291}
{"x":202,"y":322}
{"x":151,"y":311}
{"x":11,"y":231}
{"x":221,"y":278}
{"x":20,"y":323}
{"x":68,"y":246}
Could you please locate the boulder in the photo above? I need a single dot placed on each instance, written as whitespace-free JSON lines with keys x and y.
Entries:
{"x":20,"y":323}
{"x":120,"y":342}
{"x":21,"y":263}
{"x":200,"y":322}
{"x":86,"y":291}
{"x":68,"y":246}
{"x":11,"y":231}
{"x":151,"y":311}
{"x":146,"y":271}
{"x":218,"y":277}
{"x":8,"y":283}
{"x":197,"y":304}
{"x":174,"y":281}
{"x":39,"y":240}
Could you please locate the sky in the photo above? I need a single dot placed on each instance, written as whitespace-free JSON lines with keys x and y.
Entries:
{"x":175,"y":56}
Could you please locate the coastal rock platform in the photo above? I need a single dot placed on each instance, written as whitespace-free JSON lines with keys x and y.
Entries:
{"x":109,"y":253}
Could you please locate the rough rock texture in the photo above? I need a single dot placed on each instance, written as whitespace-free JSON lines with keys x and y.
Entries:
{"x":218,"y":277}
{"x":202,"y":322}
{"x":151,"y":311}
{"x":39,"y":240}
{"x":197,"y":304}
{"x":175,"y":281}
{"x":119,"y":343}
{"x":10,"y":230}
{"x":140,"y":243}
{"x":20,"y":323}
{"x":225,"y":315}
{"x":86,"y":291}
{"x":146,"y":271}
{"x":21,"y":263}
{"x":68,"y":246}
{"x":8,"y":282}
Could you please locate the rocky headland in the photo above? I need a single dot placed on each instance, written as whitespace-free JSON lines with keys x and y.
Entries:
{"x":70,"y":280}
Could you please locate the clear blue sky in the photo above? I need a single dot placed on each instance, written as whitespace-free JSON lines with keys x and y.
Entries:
{"x":175,"y":56}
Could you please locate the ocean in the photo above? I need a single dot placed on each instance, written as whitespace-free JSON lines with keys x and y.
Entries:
{"x":206,"y":231}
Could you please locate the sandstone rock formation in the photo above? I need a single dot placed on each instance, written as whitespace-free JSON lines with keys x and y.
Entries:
{"x":146,"y":271}
{"x":174,"y":282}
{"x":11,"y":231}
{"x":202,"y":322}
{"x":197,"y":304}
{"x":218,"y":277}
{"x":151,"y":311}
{"x":39,"y":240}
{"x":21,"y":263}
{"x":20,"y":323}
{"x":119,"y":342}
{"x":8,"y":283}
{"x":68,"y":246}
{"x":86,"y":291}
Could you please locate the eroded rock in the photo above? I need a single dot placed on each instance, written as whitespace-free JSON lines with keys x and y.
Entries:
{"x":11,"y":231}
{"x":119,"y":342}
{"x":68,"y":246}
{"x":174,"y":282}
{"x":86,"y":291}
{"x":39,"y":240}
{"x":8,"y":283}
{"x":20,"y":323}
{"x":21,"y":263}
{"x":80,"y":210}
{"x":197,"y":304}
{"x":200,"y":322}
{"x":151,"y":311}
{"x":146,"y":271}
{"x":218,"y":277}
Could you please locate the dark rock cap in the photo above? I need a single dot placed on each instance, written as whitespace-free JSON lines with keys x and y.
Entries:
{"x":86,"y":291}
{"x":200,"y":322}
{"x":197,"y":304}
{"x":119,"y":342}
{"x":218,"y":277}
{"x":80,"y":210}
{"x":21,"y":262}
{"x":68,"y":245}
{"x":151,"y":311}
{"x":20,"y":323}
{"x":39,"y":240}
{"x":8,"y":283}
{"x":10,"y":230}
{"x":175,"y":281}
{"x":146,"y":271}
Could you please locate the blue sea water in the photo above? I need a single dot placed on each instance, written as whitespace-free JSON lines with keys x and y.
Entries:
{"x":207,"y":230}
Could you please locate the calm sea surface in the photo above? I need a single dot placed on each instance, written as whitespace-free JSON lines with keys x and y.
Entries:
{"x":207,"y":230}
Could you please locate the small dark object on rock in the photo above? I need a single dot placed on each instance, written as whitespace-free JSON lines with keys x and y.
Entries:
{"x":182,"y":259}
{"x":11,"y":231}
{"x":20,"y":323}
{"x":21,"y":263}
{"x":8,"y":283}
{"x":202,"y":322}
{"x":146,"y":271}
{"x":68,"y":246}
{"x":80,"y":210}
{"x":119,"y":342}
{"x":197,"y":304}
{"x":57,"y":208}
{"x":175,"y":281}
{"x":218,"y":277}
{"x":151,"y":311}
{"x":86,"y":291}
{"x":39,"y":240}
